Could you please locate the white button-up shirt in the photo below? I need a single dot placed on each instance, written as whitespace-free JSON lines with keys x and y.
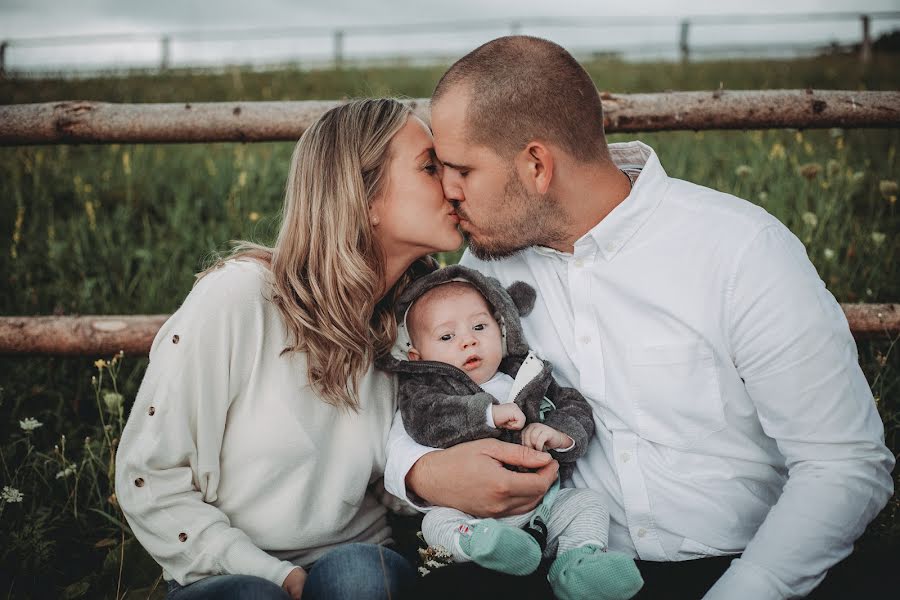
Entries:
{"x":731,"y":413}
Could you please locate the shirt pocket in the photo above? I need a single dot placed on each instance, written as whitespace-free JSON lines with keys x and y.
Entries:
{"x":675,"y":392}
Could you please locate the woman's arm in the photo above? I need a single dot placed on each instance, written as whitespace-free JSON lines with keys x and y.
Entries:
{"x":167,"y":470}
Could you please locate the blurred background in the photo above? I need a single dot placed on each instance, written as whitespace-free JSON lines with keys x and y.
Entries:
{"x":122,"y":228}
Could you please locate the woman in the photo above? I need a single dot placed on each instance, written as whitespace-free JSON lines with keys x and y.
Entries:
{"x":245,"y":464}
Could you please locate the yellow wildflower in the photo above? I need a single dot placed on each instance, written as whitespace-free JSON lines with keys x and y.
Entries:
{"x":777,"y":151}
{"x":798,"y":136}
{"x":253,"y":216}
{"x":888,"y":190}
{"x":91,"y":214}
{"x":807,"y":147}
{"x":242,"y":179}
{"x":833,"y":167}
{"x":126,"y":162}
{"x":100,"y":363}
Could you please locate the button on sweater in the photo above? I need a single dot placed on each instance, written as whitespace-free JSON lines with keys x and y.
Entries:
{"x":230,"y":463}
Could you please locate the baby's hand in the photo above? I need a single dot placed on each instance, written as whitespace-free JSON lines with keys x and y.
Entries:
{"x":540,"y":436}
{"x":508,"y":416}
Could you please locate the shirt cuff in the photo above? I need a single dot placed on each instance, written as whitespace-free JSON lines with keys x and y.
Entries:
{"x":396,"y":470}
{"x":747,"y":580}
{"x":489,"y":417}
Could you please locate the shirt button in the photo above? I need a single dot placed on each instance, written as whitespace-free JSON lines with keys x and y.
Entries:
{"x":642,"y":532}
{"x":625,"y":457}
{"x":139,"y":482}
{"x":182,"y":537}
{"x":585,"y":339}
{"x":151,"y":411}
{"x":579,"y":263}
{"x":176,"y":338}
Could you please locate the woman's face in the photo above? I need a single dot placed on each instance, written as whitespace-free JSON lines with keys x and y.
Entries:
{"x":411,"y":215}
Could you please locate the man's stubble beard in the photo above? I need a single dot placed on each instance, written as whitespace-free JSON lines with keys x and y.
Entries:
{"x":534,"y":220}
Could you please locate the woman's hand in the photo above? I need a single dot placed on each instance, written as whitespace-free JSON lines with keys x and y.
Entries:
{"x":508,"y":416}
{"x":293,"y":583}
{"x":471,"y":477}
{"x":540,"y":437}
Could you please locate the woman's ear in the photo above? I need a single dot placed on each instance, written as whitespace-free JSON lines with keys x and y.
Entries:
{"x":536,"y":166}
{"x":523,"y":296}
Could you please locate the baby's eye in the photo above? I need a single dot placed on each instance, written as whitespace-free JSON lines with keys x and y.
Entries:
{"x":479,"y":327}
{"x":446,"y":337}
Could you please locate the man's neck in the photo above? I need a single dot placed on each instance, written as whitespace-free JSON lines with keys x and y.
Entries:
{"x":587,"y":197}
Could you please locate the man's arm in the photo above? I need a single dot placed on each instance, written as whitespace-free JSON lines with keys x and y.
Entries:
{"x":792,"y":347}
{"x":469,"y":477}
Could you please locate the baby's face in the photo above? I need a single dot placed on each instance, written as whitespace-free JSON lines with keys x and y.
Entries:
{"x":461,"y":331}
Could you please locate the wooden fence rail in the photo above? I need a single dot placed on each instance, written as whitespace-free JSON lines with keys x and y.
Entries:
{"x":84,"y":122}
{"x":102,"y":336}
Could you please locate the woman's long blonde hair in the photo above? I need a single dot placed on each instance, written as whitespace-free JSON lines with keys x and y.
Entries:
{"x":327,"y":265}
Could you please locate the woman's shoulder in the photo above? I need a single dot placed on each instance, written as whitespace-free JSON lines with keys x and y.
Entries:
{"x":235,"y":284}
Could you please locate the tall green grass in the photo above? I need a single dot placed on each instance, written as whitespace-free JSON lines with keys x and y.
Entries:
{"x":121,"y":229}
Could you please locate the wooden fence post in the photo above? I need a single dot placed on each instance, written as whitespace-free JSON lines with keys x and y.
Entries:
{"x":865,"y":49}
{"x":338,"y":48}
{"x":683,"y":44}
{"x":3,"y":46}
{"x":165,"y":53}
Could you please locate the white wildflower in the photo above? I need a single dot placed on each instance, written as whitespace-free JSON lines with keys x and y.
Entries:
{"x":30,"y":424}
{"x":878,"y":238}
{"x":828,"y":253}
{"x":810,"y":219}
{"x":11,"y":495}
{"x":70,"y":470}
{"x":423,"y":571}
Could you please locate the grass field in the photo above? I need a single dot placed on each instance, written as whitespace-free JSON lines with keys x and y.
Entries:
{"x":120,"y":229}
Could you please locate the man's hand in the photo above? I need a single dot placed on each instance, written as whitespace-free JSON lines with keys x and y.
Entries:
{"x":540,"y":436}
{"x":508,"y":416}
{"x":471,"y":477}
{"x":293,"y":583}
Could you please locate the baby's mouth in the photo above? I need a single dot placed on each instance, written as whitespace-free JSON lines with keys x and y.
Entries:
{"x":473,"y":362}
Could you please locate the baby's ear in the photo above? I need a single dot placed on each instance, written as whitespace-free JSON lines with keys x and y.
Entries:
{"x":523,"y":295}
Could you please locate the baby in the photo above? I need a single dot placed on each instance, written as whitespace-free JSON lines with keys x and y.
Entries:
{"x":466,"y":373}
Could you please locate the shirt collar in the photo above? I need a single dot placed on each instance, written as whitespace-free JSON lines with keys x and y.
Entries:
{"x":612,"y":233}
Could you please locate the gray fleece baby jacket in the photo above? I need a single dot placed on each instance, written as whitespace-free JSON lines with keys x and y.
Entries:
{"x":441,"y":405}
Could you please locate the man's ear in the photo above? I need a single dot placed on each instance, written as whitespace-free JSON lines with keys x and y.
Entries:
{"x":413,"y":354}
{"x":523,"y":296}
{"x":536,"y":166}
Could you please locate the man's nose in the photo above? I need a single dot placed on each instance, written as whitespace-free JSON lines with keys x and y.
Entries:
{"x":452,"y":188}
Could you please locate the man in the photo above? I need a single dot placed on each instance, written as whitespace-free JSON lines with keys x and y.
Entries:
{"x":732,"y":416}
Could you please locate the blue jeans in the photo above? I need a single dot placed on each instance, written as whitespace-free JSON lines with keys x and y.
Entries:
{"x":352,"y":571}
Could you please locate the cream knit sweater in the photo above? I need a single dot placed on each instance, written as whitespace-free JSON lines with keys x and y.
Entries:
{"x":230,"y":463}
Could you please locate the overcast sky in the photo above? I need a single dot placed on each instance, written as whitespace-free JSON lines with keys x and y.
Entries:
{"x":41,"y":18}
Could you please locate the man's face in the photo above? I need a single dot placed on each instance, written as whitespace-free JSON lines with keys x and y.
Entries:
{"x":498,"y":214}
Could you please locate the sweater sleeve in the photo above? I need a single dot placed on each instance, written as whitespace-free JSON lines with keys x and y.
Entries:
{"x":572,"y":416}
{"x":439,"y":420}
{"x":167,"y":470}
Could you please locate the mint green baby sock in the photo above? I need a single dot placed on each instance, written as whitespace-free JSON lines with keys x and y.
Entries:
{"x":587,"y":572}
{"x":500,"y":547}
